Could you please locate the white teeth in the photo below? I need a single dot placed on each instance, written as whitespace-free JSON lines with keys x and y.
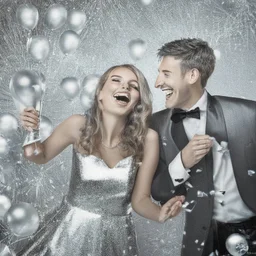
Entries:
{"x":121,"y":94}
{"x":167,"y":92}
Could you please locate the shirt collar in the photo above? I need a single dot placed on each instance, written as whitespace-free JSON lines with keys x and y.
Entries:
{"x":201,"y":103}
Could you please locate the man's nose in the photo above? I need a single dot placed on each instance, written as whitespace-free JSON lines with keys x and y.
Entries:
{"x":158,"y":83}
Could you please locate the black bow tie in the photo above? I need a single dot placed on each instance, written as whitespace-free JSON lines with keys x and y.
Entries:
{"x":179,"y":114}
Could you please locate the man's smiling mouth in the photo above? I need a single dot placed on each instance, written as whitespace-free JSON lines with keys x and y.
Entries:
{"x":168,"y":92}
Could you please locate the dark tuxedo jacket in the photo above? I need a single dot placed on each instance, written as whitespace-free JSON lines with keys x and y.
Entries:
{"x":228,"y":119}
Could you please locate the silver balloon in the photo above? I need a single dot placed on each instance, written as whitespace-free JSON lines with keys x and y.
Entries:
{"x":146,"y":2}
{"x":56,"y":16}
{"x":27,"y":87}
{"x":27,"y":15}
{"x":22,"y":219}
{"x":217,"y":54}
{"x":237,"y":245}
{"x":5,"y":204}
{"x":86,"y":100}
{"x":70,"y":87}
{"x":46,"y":128}
{"x":90,"y":83}
{"x":69,"y":41}
{"x":6,"y":251}
{"x":76,"y":20}
{"x":4,"y":148}
{"x":7,"y":175}
{"x":38,"y":47}
{"x":8,"y":124}
{"x":137,"y":48}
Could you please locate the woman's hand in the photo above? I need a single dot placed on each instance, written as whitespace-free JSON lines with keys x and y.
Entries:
{"x":171,"y":208}
{"x":29,"y":119}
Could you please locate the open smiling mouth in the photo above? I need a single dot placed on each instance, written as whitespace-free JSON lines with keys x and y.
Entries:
{"x":122,"y":98}
{"x":168,"y":92}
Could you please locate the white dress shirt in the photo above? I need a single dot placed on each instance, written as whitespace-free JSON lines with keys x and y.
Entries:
{"x":228,"y":204}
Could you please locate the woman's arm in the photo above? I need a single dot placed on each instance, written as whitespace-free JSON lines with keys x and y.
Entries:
{"x":66,"y":133}
{"x":141,"y":201}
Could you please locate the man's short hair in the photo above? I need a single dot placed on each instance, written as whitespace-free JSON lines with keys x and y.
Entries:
{"x":193,"y":53}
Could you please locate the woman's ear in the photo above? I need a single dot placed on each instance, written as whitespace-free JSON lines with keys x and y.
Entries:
{"x":99,"y":96}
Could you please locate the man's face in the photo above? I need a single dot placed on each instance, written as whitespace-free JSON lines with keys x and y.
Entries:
{"x":173,"y":83}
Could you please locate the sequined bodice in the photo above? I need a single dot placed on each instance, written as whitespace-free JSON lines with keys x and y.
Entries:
{"x":100,"y":189}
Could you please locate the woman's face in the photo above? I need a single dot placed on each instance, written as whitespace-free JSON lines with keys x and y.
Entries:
{"x":120,"y":93}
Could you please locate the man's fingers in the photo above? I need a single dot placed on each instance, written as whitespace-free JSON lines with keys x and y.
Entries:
{"x":201,"y":152}
{"x":203,"y":146}
{"x":201,"y":137}
{"x":200,"y":142}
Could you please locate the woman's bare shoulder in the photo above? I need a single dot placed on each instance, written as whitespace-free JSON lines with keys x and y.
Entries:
{"x":77,"y":120}
{"x":151,"y":136}
{"x":73,"y":125}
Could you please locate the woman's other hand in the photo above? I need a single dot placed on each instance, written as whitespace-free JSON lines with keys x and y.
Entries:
{"x":171,"y":208}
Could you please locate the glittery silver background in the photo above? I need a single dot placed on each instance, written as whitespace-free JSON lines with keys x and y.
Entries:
{"x":228,"y":25}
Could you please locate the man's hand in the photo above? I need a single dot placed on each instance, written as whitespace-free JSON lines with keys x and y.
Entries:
{"x":195,"y":150}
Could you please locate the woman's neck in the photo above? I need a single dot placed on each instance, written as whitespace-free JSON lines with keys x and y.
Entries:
{"x":112,"y":126}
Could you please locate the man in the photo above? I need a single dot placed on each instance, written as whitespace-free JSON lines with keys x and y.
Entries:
{"x":207,"y":151}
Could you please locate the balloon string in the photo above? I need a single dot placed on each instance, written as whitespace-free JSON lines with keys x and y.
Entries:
{"x":36,"y":150}
{"x":18,"y":240}
{"x":29,"y":34}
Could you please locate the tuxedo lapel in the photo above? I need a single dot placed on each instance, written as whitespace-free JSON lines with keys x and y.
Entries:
{"x":215,"y":123}
{"x":179,"y":135}
{"x":169,"y":145}
{"x":236,"y":138}
{"x":215,"y":127}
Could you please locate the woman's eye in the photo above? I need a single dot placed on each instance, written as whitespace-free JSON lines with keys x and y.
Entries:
{"x":135,"y":86}
{"x":115,"y":80}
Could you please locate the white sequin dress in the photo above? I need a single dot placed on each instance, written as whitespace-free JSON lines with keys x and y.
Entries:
{"x":95,"y":217}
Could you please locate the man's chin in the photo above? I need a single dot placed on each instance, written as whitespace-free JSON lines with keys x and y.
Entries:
{"x":169,"y":104}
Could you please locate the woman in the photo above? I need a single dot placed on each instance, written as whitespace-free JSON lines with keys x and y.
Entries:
{"x":111,"y":143}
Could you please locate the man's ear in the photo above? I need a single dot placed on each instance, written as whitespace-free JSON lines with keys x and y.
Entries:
{"x":193,"y":76}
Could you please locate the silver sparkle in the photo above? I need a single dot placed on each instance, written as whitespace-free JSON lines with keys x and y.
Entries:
{"x":251,"y":173}
{"x":201,"y":194}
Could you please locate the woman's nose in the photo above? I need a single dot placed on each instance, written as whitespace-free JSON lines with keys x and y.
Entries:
{"x":125,"y":86}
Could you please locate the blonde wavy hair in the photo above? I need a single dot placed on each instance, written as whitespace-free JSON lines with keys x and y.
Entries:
{"x":134,"y":133}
